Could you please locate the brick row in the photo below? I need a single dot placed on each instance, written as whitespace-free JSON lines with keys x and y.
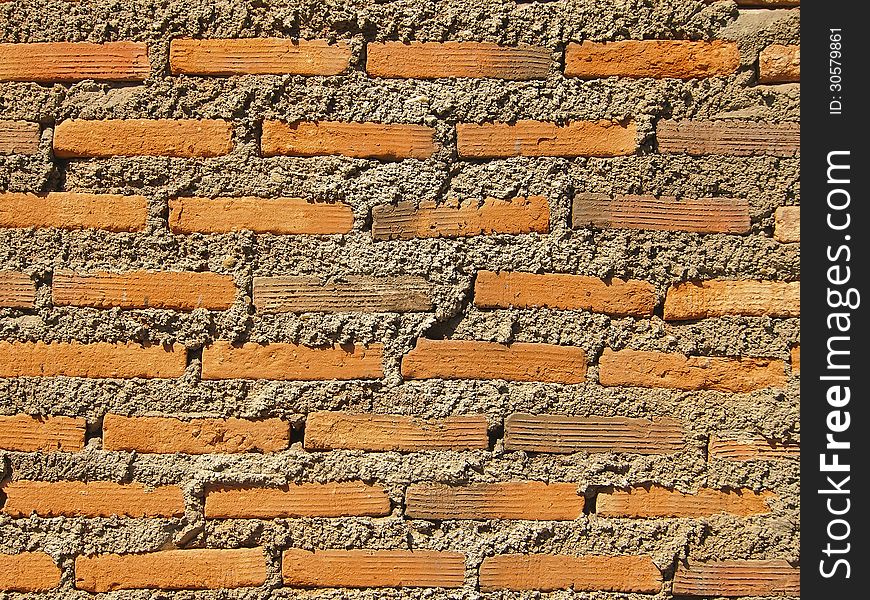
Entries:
{"x":90,"y":499}
{"x":352,"y":498}
{"x":28,"y":572}
{"x":734,"y":578}
{"x":258,"y":56}
{"x":70,"y":210}
{"x":655,"y":501}
{"x":735,"y":138}
{"x":66,"y":62}
{"x":779,"y":64}
{"x":719,"y":297}
{"x":751,"y":448}
{"x":529,"y":500}
{"x":787,"y":224}
{"x":536,"y":138}
{"x":24,"y":433}
{"x":353,"y":293}
{"x":681,"y":59}
{"x":17,"y":290}
{"x":19,"y":137}
{"x":551,"y":572}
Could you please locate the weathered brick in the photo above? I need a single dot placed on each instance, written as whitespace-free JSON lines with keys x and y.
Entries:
{"x":350,"y":499}
{"x":681,"y":59}
{"x":68,"y":210}
{"x":24,"y":433}
{"x":536,"y":138}
{"x":48,"y":62}
{"x":181,"y":138}
{"x":667,"y":370}
{"x":19,"y":137}
{"x":737,"y":578}
{"x":222,"y":360}
{"x":17,"y":290}
{"x":779,"y":64}
{"x":340,"y":430}
{"x":551,"y":572}
{"x":655,"y":501}
{"x":91,"y":499}
{"x":28,"y":572}
{"x":356,"y":140}
{"x":569,"y":292}
{"x":787,"y":224}
{"x":763,"y":3}
{"x":754,"y":448}
{"x":168,"y":435}
{"x":353,"y":293}
{"x":258,"y":56}
{"x":471,"y":359}
{"x":718,"y":297}
{"x":172,"y":570}
{"x":796,"y":359}
{"x":431,"y":60}
{"x":373,"y":568}
{"x":735,"y":138}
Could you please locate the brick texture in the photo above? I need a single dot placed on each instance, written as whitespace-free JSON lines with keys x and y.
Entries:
{"x":734,"y":578}
{"x":735,"y":138}
{"x":257,"y":56}
{"x":68,"y":210}
{"x":796,"y":359}
{"x":352,"y":498}
{"x":91,"y":499}
{"x":28,"y":572}
{"x":74,"y":61}
{"x":754,"y":448}
{"x":17,"y":290}
{"x":679,"y":59}
{"x":657,"y":501}
{"x":19,"y":137}
{"x":779,"y":64}
{"x":536,"y":138}
{"x":354,"y":293}
{"x":787,"y":224}
{"x":717,"y":297}
{"x":356,"y":140}
{"x":550,"y":572}
{"x":24,"y":433}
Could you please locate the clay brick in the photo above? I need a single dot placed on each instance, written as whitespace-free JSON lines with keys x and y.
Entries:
{"x":167,"y":435}
{"x":431,"y":60}
{"x":356,"y":140}
{"x":144,"y":289}
{"x":787,"y":224}
{"x":407,"y":220}
{"x":28,"y":572}
{"x":529,"y":500}
{"x":734,"y":138}
{"x":181,"y":138}
{"x":569,"y":292}
{"x":222,"y":360}
{"x":49,"y":62}
{"x":257,"y":56}
{"x":779,"y":64}
{"x":68,"y":210}
{"x":718,"y":297}
{"x":754,"y":448}
{"x":17,"y":290}
{"x":666,"y":370}
{"x":373,"y":568}
{"x":737,"y":578}
{"x":19,"y":137}
{"x":172,"y":570}
{"x":98,"y":360}
{"x":680,"y":59}
{"x":91,"y":499}
{"x":796,"y":359}
{"x":536,"y":138}
{"x":347,"y":431}
{"x":551,"y":572}
{"x":281,"y":216}
{"x":566,"y":434}
{"x":23,"y":433}
{"x":763,"y":3}
{"x":471,"y":359}
{"x":665,"y":213}
{"x":354,"y":293}
{"x":350,"y":499}
{"x":655,"y":501}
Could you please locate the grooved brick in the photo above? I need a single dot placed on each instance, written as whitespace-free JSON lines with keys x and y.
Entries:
{"x":28,"y":572}
{"x":283,"y":216}
{"x":172,"y":570}
{"x":47,"y":62}
{"x":19,"y":137}
{"x":354,"y":293}
{"x":179,"y":138}
{"x":91,"y":499}
{"x":99,"y":360}
{"x":779,"y":64}
{"x":373,"y":568}
{"x":566,"y":434}
{"x":471,"y":359}
{"x":737,"y":578}
{"x":17,"y":290}
{"x":356,"y":140}
{"x":530,"y":500}
{"x":551,"y":572}
{"x":350,"y":499}
{"x":735,"y":138}
{"x":167,"y":435}
{"x":68,"y":210}
{"x":222,"y":360}
{"x":665,"y":213}
{"x":569,"y":292}
{"x":796,"y":359}
{"x":655,"y":501}
{"x":537,"y":138}
{"x":787,"y":224}
{"x":718,"y":297}
{"x":681,"y":59}
{"x":431,"y":60}
{"x":24,"y":433}
{"x":754,"y":448}
{"x":671,"y":370}
{"x":339,"y":430}
{"x":257,"y":56}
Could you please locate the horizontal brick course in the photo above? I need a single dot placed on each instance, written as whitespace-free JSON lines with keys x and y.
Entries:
{"x":537,"y":138}
{"x":735,"y":138}
{"x":24,"y":433}
{"x":64,"y":62}
{"x":353,"y":293}
{"x":17,"y":290}
{"x":551,"y":572}
{"x":352,"y":498}
{"x":734,"y":578}
{"x":658,"y":501}
{"x":69,"y":210}
{"x":787,"y":224}
{"x":19,"y":137}
{"x":754,"y":448}
{"x":718,"y":297}
{"x":356,"y":140}
{"x":681,"y":59}
{"x":779,"y":64}
{"x":28,"y":572}
{"x":258,"y":56}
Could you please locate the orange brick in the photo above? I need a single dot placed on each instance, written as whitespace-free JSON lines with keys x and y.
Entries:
{"x":569,"y":292}
{"x":99,"y":359}
{"x":470,"y":359}
{"x":718,"y":297}
{"x":257,"y":56}
{"x":655,"y":501}
{"x":530,"y":500}
{"x":431,"y":60}
{"x":796,"y":359}
{"x":536,"y":138}
{"x":680,"y":59}
{"x":142,"y":137}
{"x":373,"y":568}
{"x":91,"y":499}
{"x":353,"y":293}
{"x":260,"y":215}
{"x":737,"y":578}
{"x":779,"y":64}
{"x":551,"y":572}
{"x":407,"y":220}
{"x":340,"y":430}
{"x":735,"y":138}
{"x":666,"y":370}
{"x":787,"y":224}
{"x":222,"y":360}
{"x":754,"y":448}
{"x":172,"y":570}
{"x":19,"y":137}
{"x":28,"y":572}
{"x":17,"y":290}
{"x":357,"y":140}
{"x":350,"y":499}
{"x":143,"y":289}
{"x":167,"y":435}
{"x":74,"y":61}
{"x":68,"y":210}
{"x":23,"y":433}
